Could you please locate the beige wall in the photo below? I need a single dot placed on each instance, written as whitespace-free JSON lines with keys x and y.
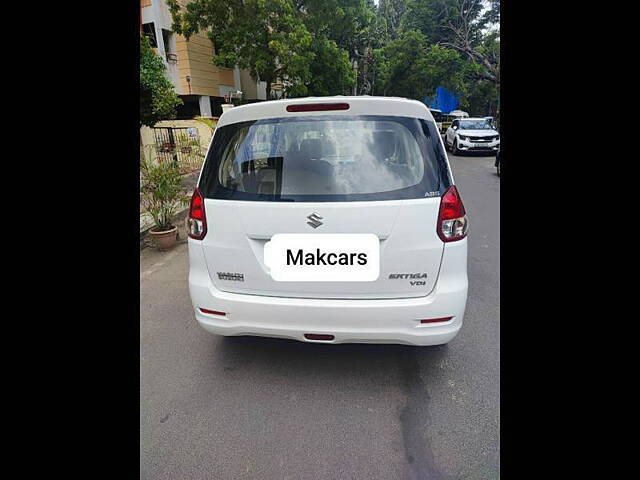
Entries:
{"x":249,"y":86}
{"x":194,"y":60}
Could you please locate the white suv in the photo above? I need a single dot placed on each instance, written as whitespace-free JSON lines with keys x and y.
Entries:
{"x":472,"y":135}
{"x":333,"y":220}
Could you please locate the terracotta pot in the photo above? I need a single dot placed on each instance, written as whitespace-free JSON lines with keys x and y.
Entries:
{"x":165,"y":240}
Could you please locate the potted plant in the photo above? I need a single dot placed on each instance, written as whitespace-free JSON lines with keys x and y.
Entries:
{"x":162,"y":195}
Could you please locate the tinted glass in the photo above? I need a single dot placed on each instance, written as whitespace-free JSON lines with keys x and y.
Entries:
{"x":476,"y":124}
{"x":326,"y":158}
{"x":437,"y":116}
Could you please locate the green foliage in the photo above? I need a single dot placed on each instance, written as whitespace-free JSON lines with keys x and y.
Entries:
{"x":410,"y":67}
{"x":390,"y":14}
{"x":482,"y":96}
{"x":158,"y":99}
{"x":161,"y":190}
{"x":267,"y":37}
{"x":208,"y":122}
{"x":347,"y":22}
{"x":303,"y":43}
{"x":453,"y":43}
{"x":325,"y":47}
{"x":331,"y":72}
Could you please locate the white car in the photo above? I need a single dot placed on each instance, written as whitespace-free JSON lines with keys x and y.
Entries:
{"x":472,"y":135}
{"x":345,"y":228}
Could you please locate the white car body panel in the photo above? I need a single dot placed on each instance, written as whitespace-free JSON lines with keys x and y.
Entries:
{"x":360,"y":105}
{"x":382,"y":311}
{"x":350,"y":321}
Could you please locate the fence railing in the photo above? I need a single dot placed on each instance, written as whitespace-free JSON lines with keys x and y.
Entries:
{"x":181,"y":145}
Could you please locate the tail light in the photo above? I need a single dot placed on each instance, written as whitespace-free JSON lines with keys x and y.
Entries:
{"x":317,"y":107}
{"x":197,"y":216}
{"x":452,"y":218}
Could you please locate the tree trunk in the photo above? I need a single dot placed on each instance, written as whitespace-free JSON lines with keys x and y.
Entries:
{"x":268,"y":89}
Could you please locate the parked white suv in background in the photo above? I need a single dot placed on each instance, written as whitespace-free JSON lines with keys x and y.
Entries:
{"x":332,"y":220}
{"x":472,"y":135}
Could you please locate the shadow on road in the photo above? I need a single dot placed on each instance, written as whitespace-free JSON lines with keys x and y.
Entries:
{"x":463,"y":154}
{"x":341,"y":359}
{"x":353,"y":370}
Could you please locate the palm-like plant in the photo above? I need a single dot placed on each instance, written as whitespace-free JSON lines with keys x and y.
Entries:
{"x":208,"y":122}
{"x":161,"y":191}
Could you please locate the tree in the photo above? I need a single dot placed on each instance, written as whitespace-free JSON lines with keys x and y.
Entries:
{"x":469,"y":27}
{"x":307,"y":43}
{"x":330,"y":72}
{"x":346,"y":22}
{"x":158,"y":99}
{"x":267,"y":37}
{"x":410,"y":67}
{"x":391,"y":13}
{"x":342,"y":39}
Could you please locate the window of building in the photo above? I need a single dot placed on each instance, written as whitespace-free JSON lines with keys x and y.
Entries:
{"x":149,"y":31}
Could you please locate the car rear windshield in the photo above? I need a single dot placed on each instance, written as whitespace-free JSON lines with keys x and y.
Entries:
{"x":326,"y":159}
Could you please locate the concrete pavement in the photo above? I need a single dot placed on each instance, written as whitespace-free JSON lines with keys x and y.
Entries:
{"x":214,"y":407}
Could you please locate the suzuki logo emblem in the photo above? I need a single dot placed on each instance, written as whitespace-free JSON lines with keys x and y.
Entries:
{"x":314,"y":220}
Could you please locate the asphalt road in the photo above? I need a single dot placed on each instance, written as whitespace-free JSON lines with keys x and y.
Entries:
{"x":234,"y":408}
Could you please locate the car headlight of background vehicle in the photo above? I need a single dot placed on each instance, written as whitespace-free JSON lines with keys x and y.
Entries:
{"x":463,"y":137}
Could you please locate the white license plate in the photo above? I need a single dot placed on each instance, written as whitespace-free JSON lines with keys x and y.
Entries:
{"x":323,"y":257}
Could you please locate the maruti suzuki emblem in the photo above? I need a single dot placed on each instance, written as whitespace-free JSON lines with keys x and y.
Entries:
{"x":314,"y":220}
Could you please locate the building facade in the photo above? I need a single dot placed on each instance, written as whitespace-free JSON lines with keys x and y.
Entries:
{"x":200,"y":84}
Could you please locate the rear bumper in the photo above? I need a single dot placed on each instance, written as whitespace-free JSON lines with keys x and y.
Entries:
{"x":349,"y":321}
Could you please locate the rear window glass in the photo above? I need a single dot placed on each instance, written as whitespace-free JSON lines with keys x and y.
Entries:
{"x":326,"y":158}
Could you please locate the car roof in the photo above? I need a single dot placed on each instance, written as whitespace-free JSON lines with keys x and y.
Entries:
{"x":358,"y":105}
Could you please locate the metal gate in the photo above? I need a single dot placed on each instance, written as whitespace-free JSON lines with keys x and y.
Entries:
{"x":180,"y":145}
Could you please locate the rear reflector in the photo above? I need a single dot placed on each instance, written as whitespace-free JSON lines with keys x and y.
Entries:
{"x":317,"y":107}
{"x":212,"y":312}
{"x":436,"y":320}
{"x":315,"y":336}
